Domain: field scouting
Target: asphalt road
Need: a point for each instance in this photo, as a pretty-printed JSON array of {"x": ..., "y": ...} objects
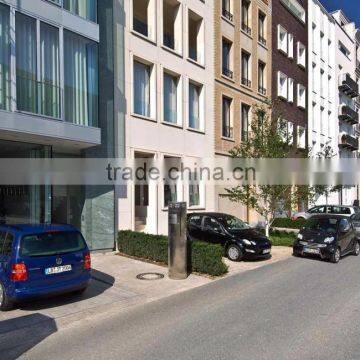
[{"x": 294, "y": 309}]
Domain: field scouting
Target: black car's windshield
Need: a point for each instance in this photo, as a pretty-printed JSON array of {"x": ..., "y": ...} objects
[
  {"x": 233, "y": 223},
  {"x": 327, "y": 225},
  {"x": 51, "y": 243}
]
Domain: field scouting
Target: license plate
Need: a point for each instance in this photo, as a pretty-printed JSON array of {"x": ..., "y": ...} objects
[
  {"x": 311, "y": 251},
  {"x": 58, "y": 269},
  {"x": 266, "y": 251}
]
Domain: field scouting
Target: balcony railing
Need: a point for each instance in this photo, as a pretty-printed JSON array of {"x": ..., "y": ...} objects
[
  {"x": 246, "y": 82},
  {"x": 262, "y": 90},
  {"x": 246, "y": 28},
  {"x": 262, "y": 40},
  {"x": 349, "y": 142},
  {"x": 348, "y": 85},
  {"x": 346, "y": 113},
  {"x": 228, "y": 131},
  {"x": 228, "y": 15},
  {"x": 228, "y": 73}
]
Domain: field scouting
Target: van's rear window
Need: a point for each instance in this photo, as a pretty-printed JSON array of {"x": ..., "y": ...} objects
[{"x": 51, "y": 243}]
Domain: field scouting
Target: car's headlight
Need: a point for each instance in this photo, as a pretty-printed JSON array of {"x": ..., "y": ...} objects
[
  {"x": 247, "y": 242},
  {"x": 329, "y": 240},
  {"x": 300, "y": 236}
]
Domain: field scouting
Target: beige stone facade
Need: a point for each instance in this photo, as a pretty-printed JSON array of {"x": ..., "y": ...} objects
[{"x": 245, "y": 37}]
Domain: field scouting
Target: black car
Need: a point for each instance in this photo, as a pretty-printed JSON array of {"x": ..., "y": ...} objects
[
  {"x": 238, "y": 238},
  {"x": 327, "y": 236}
]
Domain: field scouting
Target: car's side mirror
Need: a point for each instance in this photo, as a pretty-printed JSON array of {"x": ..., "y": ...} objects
[{"x": 345, "y": 228}]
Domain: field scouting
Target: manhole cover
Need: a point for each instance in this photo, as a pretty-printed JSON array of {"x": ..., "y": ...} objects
[{"x": 150, "y": 276}]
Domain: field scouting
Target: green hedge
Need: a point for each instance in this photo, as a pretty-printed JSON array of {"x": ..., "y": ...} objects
[
  {"x": 288, "y": 223},
  {"x": 282, "y": 239},
  {"x": 203, "y": 257}
]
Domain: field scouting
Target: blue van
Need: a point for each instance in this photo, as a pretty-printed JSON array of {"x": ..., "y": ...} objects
[{"x": 41, "y": 260}]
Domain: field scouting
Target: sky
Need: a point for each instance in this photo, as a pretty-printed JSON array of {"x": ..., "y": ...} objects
[{"x": 350, "y": 7}]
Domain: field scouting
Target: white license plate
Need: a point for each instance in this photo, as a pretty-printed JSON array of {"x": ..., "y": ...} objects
[
  {"x": 58, "y": 270},
  {"x": 266, "y": 251},
  {"x": 311, "y": 251}
]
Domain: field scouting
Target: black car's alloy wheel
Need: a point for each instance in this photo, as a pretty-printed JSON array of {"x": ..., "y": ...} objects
[
  {"x": 357, "y": 248},
  {"x": 335, "y": 256},
  {"x": 5, "y": 303},
  {"x": 234, "y": 253}
]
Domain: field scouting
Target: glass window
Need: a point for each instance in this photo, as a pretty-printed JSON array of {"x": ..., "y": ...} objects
[
  {"x": 227, "y": 130},
  {"x": 245, "y": 69},
  {"x": 48, "y": 244},
  {"x": 226, "y": 63},
  {"x": 170, "y": 194},
  {"x": 50, "y": 71},
  {"x": 328, "y": 225},
  {"x": 194, "y": 106},
  {"x": 262, "y": 30},
  {"x": 194, "y": 195},
  {"x": 195, "y": 220},
  {"x": 26, "y": 63},
  {"x": 84, "y": 8},
  {"x": 245, "y": 110},
  {"x": 140, "y": 16},
  {"x": 211, "y": 224},
  {"x": 245, "y": 16},
  {"x": 8, "y": 244},
  {"x": 81, "y": 80},
  {"x": 141, "y": 89},
  {"x": 170, "y": 98},
  {"x": 261, "y": 78},
  {"x": 4, "y": 57}
]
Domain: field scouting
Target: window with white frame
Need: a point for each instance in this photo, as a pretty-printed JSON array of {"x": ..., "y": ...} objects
[
  {"x": 290, "y": 95},
  {"x": 290, "y": 46},
  {"x": 282, "y": 90},
  {"x": 195, "y": 190},
  {"x": 143, "y": 19},
  {"x": 5, "y": 57},
  {"x": 301, "y": 96},
  {"x": 227, "y": 126},
  {"x": 172, "y": 98},
  {"x": 196, "y": 106},
  {"x": 143, "y": 90},
  {"x": 285, "y": 129},
  {"x": 172, "y": 25},
  {"x": 282, "y": 39},
  {"x": 301, "y": 137},
  {"x": 301, "y": 54},
  {"x": 196, "y": 37}
]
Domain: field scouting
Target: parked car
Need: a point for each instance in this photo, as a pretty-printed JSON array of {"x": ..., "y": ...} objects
[
  {"x": 41, "y": 260},
  {"x": 328, "y": 236},
  {"x": 327, "y": 209},
  {"x": 239, "y": 240}
]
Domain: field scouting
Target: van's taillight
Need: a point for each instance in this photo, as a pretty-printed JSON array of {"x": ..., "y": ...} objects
[
  {"x": 87, "y": 261},
  {"x": 19, "y": 272}
]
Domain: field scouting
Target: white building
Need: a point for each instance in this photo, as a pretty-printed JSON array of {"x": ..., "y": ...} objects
[
  {"x": 332, "y": 89},
  {"x": 169, "y": 94}
]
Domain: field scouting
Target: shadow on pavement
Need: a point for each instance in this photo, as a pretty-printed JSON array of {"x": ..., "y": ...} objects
[
  {"x": 99, "y": 283},
  {"x": 32, "y": 329}
]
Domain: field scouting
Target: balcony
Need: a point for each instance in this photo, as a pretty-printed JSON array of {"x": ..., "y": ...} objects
[
  {"x": 262, "y": 90},
  {"x": 346, "y": 113},
  {"x": 348, "y": 142},
  {"x": 348, "y": 86},
  {"x": 262, "y": 40},
  {"x": 228, "y": 73},
  {"x": 246, "y": 29},
  {"x": 246, "y": 82},
  {"x": 228, "y": 15}
]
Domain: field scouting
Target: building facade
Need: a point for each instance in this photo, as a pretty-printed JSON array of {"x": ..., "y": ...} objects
[
  {"x": 169, "y": 96},
  {"x": 243, "y": 63},
  {"x": 54, "y": 57}
]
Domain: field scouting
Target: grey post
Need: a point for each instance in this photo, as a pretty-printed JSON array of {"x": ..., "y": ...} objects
[{"x": 177, "y": 241}]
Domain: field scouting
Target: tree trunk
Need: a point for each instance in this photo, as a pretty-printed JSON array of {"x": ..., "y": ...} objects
[{"x": 267, "y": 228}]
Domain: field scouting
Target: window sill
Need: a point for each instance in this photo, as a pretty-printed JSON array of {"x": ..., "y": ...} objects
[
  {"x": 197, "y": 207},
  {"x": 228, "y": 21},
  {"x": 228, "y": 78},
  {"x": 172, "y": 51},
  {"x": 262, "y": 95},
  {"x": 141, "y": 36},
  {"x": 262, "y": 45},
  {"x": 142, "y": 117},
  {"x": 246, "y": 34},
  {"x": 198, "y": 131},
  {"x": 246, "y": 87},
  {"x": 227, "y": 139},
  {"x": 172, "y": 124},
  {"x": 196, "y": 63}
]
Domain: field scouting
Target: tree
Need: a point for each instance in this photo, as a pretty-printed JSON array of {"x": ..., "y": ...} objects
[{"x": 268, "y": 138}]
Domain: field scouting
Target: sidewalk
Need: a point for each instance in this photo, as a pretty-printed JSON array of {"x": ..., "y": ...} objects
[{"x": 114, "y": 287}]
